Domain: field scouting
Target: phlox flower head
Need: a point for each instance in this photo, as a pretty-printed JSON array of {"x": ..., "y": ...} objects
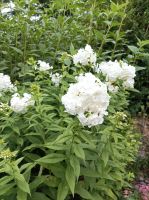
[
  {"x": 85, "y": 56},
  {"x": 112, "y": 70},
  {"x": 5, "y": 83},
  {"x": 35, "y": 18},
  {"x": 128, "y": 74},
  {"x": 88, "y": 99},
  {"x": 56, "y": 78},
  {"x": 20, "y": 104},
  {"x": 43, "y": 66},
  {"x": 117, "y": 70},
  {"x": 10, "y": 8}
]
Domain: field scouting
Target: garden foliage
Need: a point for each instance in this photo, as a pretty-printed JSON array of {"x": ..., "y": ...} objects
[
  {"x": 55, "y": 143},
  {"x": 137, "y": 22}
]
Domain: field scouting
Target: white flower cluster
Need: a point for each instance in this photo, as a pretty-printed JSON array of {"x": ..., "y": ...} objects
[
  {"x": 85, "y": 56},
  {"x": 10, "y": 8},
  {"x": 43, "y": 66},
  {"x": 20, "y": 104},
  {"x": 56, "y": 78},
  {"x": 117, "y": 70},
  {"x": 128, "y": 74},
  {"x": 88, "y": 99},
  {"x": 5, "y": 83},
  {"x": 35, "y": 18}
]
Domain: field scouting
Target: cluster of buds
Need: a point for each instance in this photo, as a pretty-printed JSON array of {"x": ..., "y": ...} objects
[
  {"x": 4, "y": 108},
  {"x": 7, "y": 154},
  {"x": 119, "y": 119}
]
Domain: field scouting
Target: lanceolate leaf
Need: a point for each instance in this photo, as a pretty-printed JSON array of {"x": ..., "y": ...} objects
[
  {"x": 39, "y": 196},
  {"x": 52, "y": 158},
  {"x": 79, "y": 151},
  {"x": 74, "y": 161},
  {"x": 83, "y": 193},
  {"x": 5, "y": 180},
  {"x": 62, "y": 191},
  {"x": 21, "y": 195},
  {"x": 70, "y": 178},
  {"x": 5, "y": 188},
  {"x": 21, "y": 183}
]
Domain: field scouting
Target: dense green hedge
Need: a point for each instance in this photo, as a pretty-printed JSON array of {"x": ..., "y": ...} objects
[{"x": 137, "y": 22}]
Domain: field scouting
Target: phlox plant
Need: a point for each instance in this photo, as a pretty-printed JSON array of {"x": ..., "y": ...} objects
[
  {"x": 47, "y": 151},
  {"x": 43, "y": 28}
]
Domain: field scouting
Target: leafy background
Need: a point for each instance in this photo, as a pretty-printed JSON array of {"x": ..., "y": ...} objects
[{"x": 111, "y": 28}]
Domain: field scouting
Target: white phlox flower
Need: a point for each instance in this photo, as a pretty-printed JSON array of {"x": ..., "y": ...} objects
[
  {"x": 43, "y": 66},
  {"x": 88, "y": 99},
  {"x": 128, "y": 74},
  {"x": 5, "y": 83},
  {"x": 35, "y": 18},
  {"x": 112, "y": 70},
  {"x": 20, "y": 104},
  {"x": 129, "y": 83},
  {"x": 117, "y": 70},
  {"x": 56, "y": 78},
  {"x": 10, "y": 8},
  {"x": 85, "y": 56}
]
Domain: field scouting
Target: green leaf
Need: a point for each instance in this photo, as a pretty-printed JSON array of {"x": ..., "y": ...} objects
[
  {"x": 74, "y": 162},
  {"x": 97, "y": 197},
  {"x": 139, "y": 68},
  {"x": 70, "y": 177},
  {"x": 37, "y": 181},
  {"x": 79, "y": 151},
  {"x": 99, "y": 186},
  {"x": 52, "y": 181},
  {"x": 84, "y": 193},
  {"x": 134, "y": 49},
  {"x": 61, "y": 139},
  {"x": 57, "y": 169},
  {"x": 17, "y": 50},
  {"x": 21, "y": 183},
  {"x": 105, "y": 156},
  {"x": 67, "y": 62},
  {"x": 87, "y": 139},
  {"x": 5, "y": 188},
  {"x": 5, "y": 180},
  {"x": 144, "y": 43},
  {"x": 89, "y": 172},
  {"x": 56, "y": 146},
  {"x": 62, "y": 191},
  {"x": 72, "y": 49},
  {"x": 21, "y": 195},
  {"x": 39, "y": 196},
  {"x": 133, "y": 90},
  {"x": 111, "y": 194},
  {"x": 52, "y": 158}
]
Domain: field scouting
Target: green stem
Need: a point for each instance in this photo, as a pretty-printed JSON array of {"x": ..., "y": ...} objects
[
  {"x": 118, "y": 31},
  {"x": 91, "y": 21},
  {"x": 24, "y": 52},
  {"x": 73, "y": 137},
  {"x": 40, "y": 171},
  {"x": 105, "y": 37}
]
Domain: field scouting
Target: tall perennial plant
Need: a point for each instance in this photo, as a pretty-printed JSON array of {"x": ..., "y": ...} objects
[{"x": 65, "y": 133}]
